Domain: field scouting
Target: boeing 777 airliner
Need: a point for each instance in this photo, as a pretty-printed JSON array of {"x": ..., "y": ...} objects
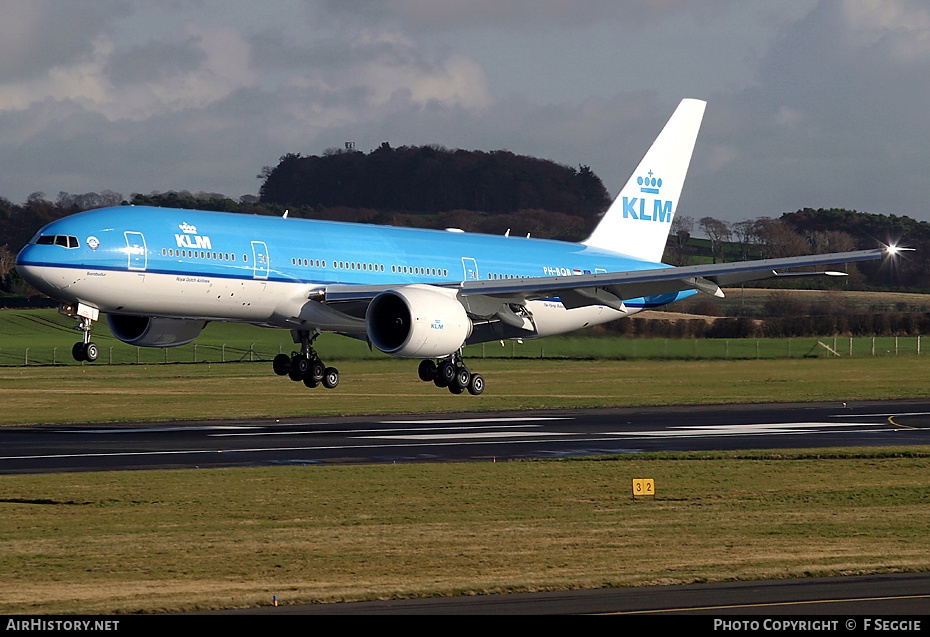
[{"x": 160, "y": 275}]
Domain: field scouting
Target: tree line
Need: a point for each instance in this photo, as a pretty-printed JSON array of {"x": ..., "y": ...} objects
[
  {"x": 433, "y": 179},
  {"x": 810, "y": 231}
]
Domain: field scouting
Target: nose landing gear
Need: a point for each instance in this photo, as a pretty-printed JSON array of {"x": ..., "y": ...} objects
[{"x": 85, "y": 350}]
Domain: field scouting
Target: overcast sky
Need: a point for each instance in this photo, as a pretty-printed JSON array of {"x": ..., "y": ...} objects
[{"x": 811, "y": 103}]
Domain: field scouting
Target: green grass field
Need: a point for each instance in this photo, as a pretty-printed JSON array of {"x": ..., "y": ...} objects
[{"x": 112, "y": 393}]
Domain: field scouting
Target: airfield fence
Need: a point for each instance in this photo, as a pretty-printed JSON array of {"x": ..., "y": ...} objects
[
  {"x": 129, "y": 355},
  {"x": 569, "y": 348}
]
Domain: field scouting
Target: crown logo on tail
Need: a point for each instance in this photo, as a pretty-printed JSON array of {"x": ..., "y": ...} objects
[{"x": 649, "y": 184}]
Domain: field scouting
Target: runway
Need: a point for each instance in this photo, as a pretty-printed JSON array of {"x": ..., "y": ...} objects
[{"x": 461, "y": 437}]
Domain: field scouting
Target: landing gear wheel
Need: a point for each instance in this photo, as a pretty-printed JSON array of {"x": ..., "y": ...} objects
[
  {"x": 91, "y": 352},
  {"x": 317, "y": 372},
  {"x": 476, "y": 386},
  {"x": 331, "y": 378},
  {"x": 445, "y": 373},
  {"x": 455, "y": 388},
  {"x": 303, "y": 367},
  {"x": 462, "y": 377},
  {"x": 427, "y": 370},
  {"x": 281, "y": 364},
  {"x": 309, "y": 382},
  {"x": 77, "y": 352}
]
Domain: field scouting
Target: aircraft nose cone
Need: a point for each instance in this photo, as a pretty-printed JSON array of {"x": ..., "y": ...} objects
[
  {"x": 30, "y": 268},
  {"x": 25, "y": 268},
  {"x": 23, "y": 259}
]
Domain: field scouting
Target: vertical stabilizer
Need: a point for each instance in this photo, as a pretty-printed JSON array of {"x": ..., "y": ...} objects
[{"x": 638, "y": 222}]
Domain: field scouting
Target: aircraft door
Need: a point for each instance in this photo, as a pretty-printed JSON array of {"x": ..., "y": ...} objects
[
  {"x": 260, "y": 261},
  {"x": 135, "y": 249},
  {"x": 470, "y": 266}
]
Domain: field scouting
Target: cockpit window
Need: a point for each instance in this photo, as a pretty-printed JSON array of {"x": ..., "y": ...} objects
[{"x": 58, "y": 240}]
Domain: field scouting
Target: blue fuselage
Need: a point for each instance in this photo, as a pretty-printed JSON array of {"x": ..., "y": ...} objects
[{"x": 190, "y": 245}]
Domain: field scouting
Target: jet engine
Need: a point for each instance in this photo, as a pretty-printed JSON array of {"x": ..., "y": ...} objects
[
  {"x": 417, "y": 321},
  {"x": 147, "y": 331}
]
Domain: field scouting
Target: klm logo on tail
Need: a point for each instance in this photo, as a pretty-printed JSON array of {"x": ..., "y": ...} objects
[{"x": 635, "y": 207}]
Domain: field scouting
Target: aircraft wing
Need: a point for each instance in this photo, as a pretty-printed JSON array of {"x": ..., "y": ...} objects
[{"x": 612, "y": 288}]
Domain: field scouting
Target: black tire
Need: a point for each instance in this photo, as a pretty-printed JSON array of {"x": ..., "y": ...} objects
[
  {"x": 91, "y": 352},
  {"x": 462, "y": 377},
  {"x": 294, "y": 372},
  {"x": 309, "y": 382},
  {"x": 455, "y": 388},
  {"x": 303, "y": 367},
  {"x": 317, "y": 371},
  {"x": 77, "y": 352},
  {"x": 476, "y": 386},
  {"x": 331, "y": 378},
  {"x": 446, "y": 373},
  {"x": 427, "y": 370},
  {"x": 281, "y": 364}
]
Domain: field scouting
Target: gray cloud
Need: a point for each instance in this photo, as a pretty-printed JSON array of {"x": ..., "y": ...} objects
[
  {"x": 547, "y": 14},
  {"x": 40, "y": 34},
  {"x": 155, "y": 61},
  {"x": 836, "y": 117}
]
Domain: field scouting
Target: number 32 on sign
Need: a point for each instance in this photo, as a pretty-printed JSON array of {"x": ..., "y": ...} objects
[{"x": 644, "y": 487}]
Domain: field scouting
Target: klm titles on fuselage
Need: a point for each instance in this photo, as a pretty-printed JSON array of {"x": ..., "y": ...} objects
[
  {"x": 191, "y": 240},
  {"x": 635, "y": 207}
]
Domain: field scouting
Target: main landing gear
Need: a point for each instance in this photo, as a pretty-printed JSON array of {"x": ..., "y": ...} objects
[
  {"x": 85, "y": 350},
  {"x": 305, "y": 365},
  {"x": 451, "y": 372}
]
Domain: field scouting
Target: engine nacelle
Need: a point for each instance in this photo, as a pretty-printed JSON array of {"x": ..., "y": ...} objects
[
  {"x": 147, "y": 331},
  {"x": 417, "y": 321}
]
